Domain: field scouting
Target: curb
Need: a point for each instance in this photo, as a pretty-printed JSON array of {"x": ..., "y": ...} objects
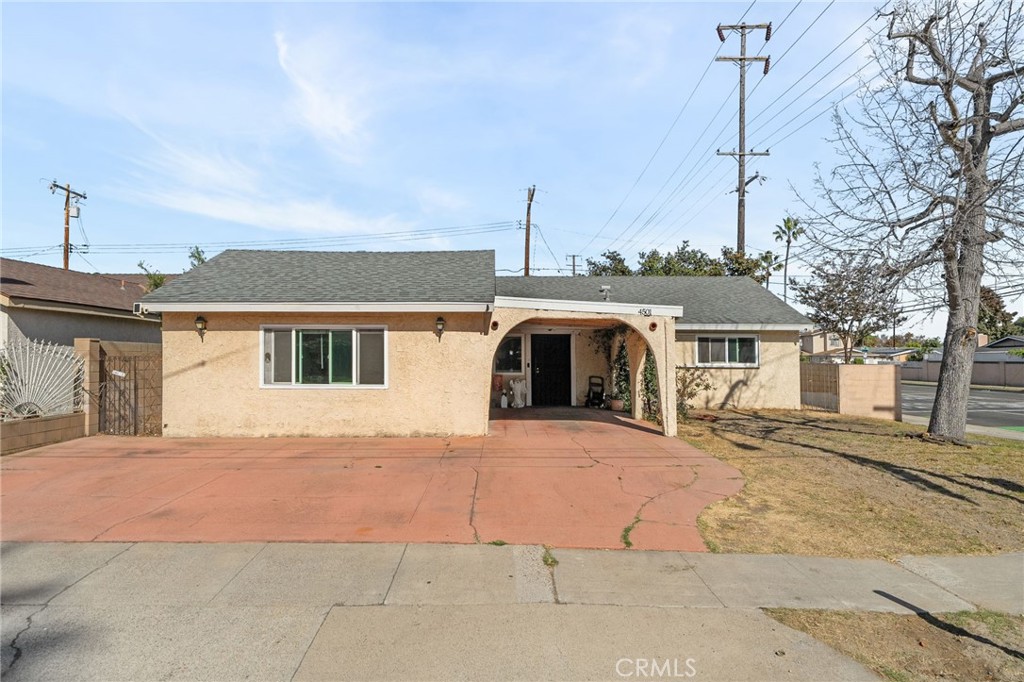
[
  {"x": 993, "y": 431},
  {"x": 977, "y": 387}
]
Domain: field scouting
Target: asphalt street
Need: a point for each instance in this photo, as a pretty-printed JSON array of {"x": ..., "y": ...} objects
[{"x": 1001, "y": 409}]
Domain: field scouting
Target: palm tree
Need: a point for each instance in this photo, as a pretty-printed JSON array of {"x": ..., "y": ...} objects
[
  {"x": 789, "y": 231},
  {"x": 771, "y": 263}
]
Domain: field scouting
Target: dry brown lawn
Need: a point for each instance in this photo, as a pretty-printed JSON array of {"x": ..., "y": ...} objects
[
  {"x": 821, "y": 484},
  {"x": 974, "y": 645}
]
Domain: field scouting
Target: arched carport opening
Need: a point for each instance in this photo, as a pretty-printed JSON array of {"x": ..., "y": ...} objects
[{"x": 550, "y": 358}]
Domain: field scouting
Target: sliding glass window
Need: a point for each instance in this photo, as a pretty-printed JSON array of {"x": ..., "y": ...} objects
[{"x": 303, "y": 356}]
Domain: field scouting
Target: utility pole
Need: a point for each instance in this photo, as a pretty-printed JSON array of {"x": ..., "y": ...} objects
[
  {"x": 68, "y": 193},
  {"x": 741, "y": 152},
  {"x": 529, "y": 204},
  {"x": 573, "y": 256}
]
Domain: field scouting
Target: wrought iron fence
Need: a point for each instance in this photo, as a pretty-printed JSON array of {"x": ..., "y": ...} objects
[
  {"x": 39, "y": 379},
  {"x": 130, "y": 394}
]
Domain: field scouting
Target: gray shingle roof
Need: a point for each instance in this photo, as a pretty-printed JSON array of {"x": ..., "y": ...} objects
[
  {"x": 335, "y": 277},
  {"x": 705, "y": 300},
  {"x": 453, "y": 277}
]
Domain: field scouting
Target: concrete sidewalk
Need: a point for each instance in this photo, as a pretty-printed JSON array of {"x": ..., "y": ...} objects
[
  {"x": 993, "y": 431},
  {"x": 393, "y": 611}
]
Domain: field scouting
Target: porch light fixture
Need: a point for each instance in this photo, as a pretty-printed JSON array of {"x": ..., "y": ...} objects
[
  {"x": 439, "y": 323},
  {"x": 201, "y": 326}
]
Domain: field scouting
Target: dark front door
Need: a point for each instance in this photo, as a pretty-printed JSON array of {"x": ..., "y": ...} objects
[{"x": 550, "y": 369}]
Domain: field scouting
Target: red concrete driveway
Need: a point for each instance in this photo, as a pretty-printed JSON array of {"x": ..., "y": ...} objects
[{"x": 563, "y": 477}]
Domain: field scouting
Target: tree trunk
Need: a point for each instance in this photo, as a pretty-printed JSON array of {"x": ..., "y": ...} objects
[
  {"x": 785, "y": 275},
  {"x": 964, "y": 267}
]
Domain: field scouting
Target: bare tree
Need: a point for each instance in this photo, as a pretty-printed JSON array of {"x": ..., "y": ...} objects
[
  {"x": 929, "y": 178},
  {"x": 846, "y": 297}
]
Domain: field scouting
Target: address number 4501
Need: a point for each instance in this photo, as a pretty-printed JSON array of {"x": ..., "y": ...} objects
[{"x": 646, "y": 312}]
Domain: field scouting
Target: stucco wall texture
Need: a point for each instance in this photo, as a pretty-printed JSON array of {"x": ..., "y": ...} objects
[
  {"x": 775, "y": 383},
  {"x": 436, "y": 386}
]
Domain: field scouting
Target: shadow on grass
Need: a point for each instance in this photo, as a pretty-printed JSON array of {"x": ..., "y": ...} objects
[
  {"x": 949, "y": 627},
  {"x": 767, "y": 428}
]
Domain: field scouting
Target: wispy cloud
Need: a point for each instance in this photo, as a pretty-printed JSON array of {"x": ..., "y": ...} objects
[
  {"x": 292, "y": 215},
  {"x": 432, "y": 199},
  {"x": 216, "y": 184},
  {"x": 327, "y": 98}
]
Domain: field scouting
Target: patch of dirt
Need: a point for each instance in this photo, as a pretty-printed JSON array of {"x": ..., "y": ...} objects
[
  {"x": 821, "y": 484},
  {"x": 981, "y": 645}
]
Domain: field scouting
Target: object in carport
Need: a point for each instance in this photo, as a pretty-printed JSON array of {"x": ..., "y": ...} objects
[
  {"x": 595, "y": 392},
  {"x": 518, "y": 387}
]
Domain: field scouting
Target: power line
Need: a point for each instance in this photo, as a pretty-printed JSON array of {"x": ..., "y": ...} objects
[
  {"x": 658, "y": 216},
  {"x": 661, "y": 144},
  {"x": 666, "y": 136},
  {"x": 694, "y": 167},
  {"x": 543, "y": 239},
  {"x": 289, "y": 244}
]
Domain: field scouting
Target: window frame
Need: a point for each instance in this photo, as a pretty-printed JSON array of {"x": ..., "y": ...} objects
[
  {"x": 726, "y": 337},
  {"x": 293, "y": 328},
  {"x": 522, "y": 357}
]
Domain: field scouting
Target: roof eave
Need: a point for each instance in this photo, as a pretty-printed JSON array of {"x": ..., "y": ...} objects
[
  {"x": 313, "y": 307},
  {"x": 74, "y": 308},
  {"x": 741, "y": 326},
  {"x": 611, "y": 307}
]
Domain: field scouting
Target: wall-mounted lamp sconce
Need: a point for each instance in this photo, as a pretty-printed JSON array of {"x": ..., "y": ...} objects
[
  {"x": 201, "y": 326},
  {"x": 439, "y": 323}
]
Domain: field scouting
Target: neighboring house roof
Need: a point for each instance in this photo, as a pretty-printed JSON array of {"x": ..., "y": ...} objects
[
  {"x": 325, "y": 277},
  {"x": 1005, "y": 343},
  {"x": 883, "y": 352},
  {"x": 707, "y": 302},
  {"x": 32, "y": 284}
]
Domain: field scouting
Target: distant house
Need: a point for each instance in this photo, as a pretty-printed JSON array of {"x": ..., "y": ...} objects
[
  {"x": 1006, "y": 343},
  {"x": 994, "y": 364},
  {"x": 273, "y": 343},
  {"x": 816, "y": 341},
  {"x": 872, "y": 355},
  {"x": 44, "y": 303}
]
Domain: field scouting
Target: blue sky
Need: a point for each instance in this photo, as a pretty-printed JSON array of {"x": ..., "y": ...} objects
[{"x": 209, "y": 124}]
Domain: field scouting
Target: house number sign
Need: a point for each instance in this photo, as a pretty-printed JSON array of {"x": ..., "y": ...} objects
[{"x": 646, "y": 312}]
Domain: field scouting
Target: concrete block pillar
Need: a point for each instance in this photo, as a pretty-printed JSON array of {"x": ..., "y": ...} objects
[
  {"x": 90, "y": 350},
  {"x": 636, "y": 351},
  {"x": 665, "y": 356}
]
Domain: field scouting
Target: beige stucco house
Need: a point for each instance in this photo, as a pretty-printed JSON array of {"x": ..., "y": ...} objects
[{"x": 265, "y": 343}]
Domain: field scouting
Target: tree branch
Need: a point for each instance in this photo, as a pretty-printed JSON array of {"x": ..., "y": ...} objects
[{"x": 1006, "y": 127}]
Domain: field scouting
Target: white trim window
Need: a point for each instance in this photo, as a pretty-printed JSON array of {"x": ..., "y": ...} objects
[
  {"x": 508, "y": 359},
  {"x": 323, "y": 357},
  {"x": 728, "y": 351}
]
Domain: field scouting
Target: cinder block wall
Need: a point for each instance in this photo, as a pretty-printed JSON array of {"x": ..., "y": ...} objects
[
  {"x": 32, "y": 433},
  {"x": 870, "y": 391}
]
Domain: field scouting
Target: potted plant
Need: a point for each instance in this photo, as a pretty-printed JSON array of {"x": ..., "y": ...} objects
[{"x": 616, "y": 403}]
